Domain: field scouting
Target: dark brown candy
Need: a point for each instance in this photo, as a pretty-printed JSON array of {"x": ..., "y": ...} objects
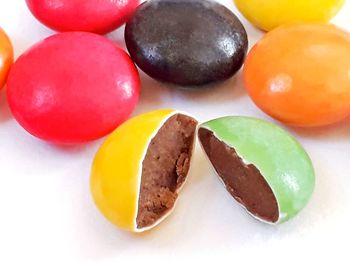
[{"x": 192, "y": 42}]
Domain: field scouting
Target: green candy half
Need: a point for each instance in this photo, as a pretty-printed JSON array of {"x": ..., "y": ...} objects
[{"x": 279, "y": 158}]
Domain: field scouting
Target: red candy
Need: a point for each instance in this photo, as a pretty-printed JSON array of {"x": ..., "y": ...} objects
[
  {"x": 72, "y": 87},
  {"x": 98, "y": 16}
]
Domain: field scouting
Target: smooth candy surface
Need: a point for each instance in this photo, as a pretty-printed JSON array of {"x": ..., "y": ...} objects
[
  {"x": 269, "y": 14},
  {"x": 72, "y": 88},
  {"x": 186, "y": 42},
  {"x": 300, "y": 74},
  {"x": 116, "y": 170},
  {"x": 281, "y": 160},
  {"x": 6, "y": 57},
  {"x": 97, "y": 16}
]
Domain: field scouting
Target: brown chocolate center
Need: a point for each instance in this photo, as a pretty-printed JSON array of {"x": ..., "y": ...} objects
[
  {"x": 165, "y": 168},
  {"x": 244, "y": 182}
]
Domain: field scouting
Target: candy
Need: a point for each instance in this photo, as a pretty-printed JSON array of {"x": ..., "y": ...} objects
[
  {"x": 98, "y": 16},
  {"x": 186, "y": 42},
  {"x": 269, "y": 14},
  {"x": 263, "y": 167},
  {"x": 300, "y": 74},
  {"x": 6, "y": 57},
  {"x": 140, "y": 168},
  {"x": 72, "y": 88}
]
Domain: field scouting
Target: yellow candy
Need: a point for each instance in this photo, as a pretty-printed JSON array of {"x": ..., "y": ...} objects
[
  {"x": 117, "y": 168},
  {"x": 269, "y": 14}
]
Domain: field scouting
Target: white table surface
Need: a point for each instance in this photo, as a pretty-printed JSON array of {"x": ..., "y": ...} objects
[{"x": 47, "y": 214}]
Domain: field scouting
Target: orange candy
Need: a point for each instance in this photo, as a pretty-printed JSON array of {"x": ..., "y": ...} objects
[
  {"x": 6, "y": 57},
  {"x": 300, "y": 74}
]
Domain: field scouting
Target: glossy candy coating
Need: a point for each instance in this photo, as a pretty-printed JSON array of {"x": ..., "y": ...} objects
[
  {"x": 97, "y": 16},
  {"x": 299, "y": 74},
  {"x": 72, "y": 88},
  {"x": 6, "y": 57},
  {"x": 280, "y": 159},
  {"x": 269, "y": 14},
  {"x": 196, "y": 42},
  {"x": 117, "y": 167}
]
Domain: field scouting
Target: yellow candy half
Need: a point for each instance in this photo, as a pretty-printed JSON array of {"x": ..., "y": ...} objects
[{"x": 117, "y": 168}]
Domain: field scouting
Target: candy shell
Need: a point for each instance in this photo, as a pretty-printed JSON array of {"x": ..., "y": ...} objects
[
  {"x": 138, "y": 171},
  {"x": 269, "y": 14},
  {"x": 189, "y": 43},
  {"x": 97, "y": 16},
  {"x": 72, "y": 87},
  {"x": 300, "y": 74},
  {"x": 262, "y": 166},
  {"x": 6, "y": 57}
]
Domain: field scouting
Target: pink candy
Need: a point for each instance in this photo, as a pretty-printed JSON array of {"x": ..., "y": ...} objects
[
  {"x": 73, "y": 87},
  {"x": 98, "y": 16}
]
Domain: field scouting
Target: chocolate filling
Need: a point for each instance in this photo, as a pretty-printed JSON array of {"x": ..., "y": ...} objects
[
  {"x": 165, "y": 168},
  {"x": 244, "y": 182}
]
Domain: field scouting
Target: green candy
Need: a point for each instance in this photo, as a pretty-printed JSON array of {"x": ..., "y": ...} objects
[{"x": 280, "y": 159}]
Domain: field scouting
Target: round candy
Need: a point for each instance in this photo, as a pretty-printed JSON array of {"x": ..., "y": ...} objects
[
  {"x": 72, "y": 88},
  {"x": 262, "y": 166},
  {"x": 269, "y": 14},
  {"x": 139, "y": 170},
  {"x": 98, "y": 16},
  {"x": 6, "y": 57},
  {"x": 186, "y": 42},
  {"x": 300, "y": 74}
]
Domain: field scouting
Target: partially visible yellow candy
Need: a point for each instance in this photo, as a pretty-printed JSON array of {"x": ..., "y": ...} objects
[{"x": 269, "y": 14}]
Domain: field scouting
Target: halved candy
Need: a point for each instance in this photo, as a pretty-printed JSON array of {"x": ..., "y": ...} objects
[
  {"x": 262, "y": 166},
  {"x": 140, "y": 168}
]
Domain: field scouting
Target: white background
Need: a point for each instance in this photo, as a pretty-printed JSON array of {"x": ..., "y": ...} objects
[{"x": 47, "y": 215}]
